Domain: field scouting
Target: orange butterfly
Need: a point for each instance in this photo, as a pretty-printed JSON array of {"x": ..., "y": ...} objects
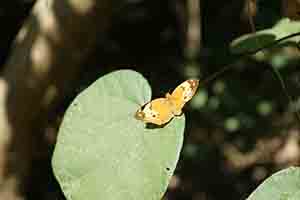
[{"x": 161, "y": 110}]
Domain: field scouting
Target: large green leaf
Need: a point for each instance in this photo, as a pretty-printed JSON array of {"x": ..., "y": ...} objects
[
  {"x": 283, "y": 185},
  {"x": 103, "y": 152}
]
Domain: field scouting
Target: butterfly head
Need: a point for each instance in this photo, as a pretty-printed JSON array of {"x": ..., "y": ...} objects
[{"x": 140, "y": 115}]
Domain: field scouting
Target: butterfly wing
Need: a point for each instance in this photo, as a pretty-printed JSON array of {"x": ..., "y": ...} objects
[
  {"x": 162, "y": 110},
  {"x": 182, "y": 94},
  {"x": 156, "y": 112}
]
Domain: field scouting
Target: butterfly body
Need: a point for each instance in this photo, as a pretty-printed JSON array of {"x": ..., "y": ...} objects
[{"x": 161, "y": 110}]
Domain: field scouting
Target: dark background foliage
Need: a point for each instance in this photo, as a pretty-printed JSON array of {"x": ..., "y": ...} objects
[{"x": 240, "y": 128}]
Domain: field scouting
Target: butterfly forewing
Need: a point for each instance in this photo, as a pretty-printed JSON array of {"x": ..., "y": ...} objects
[{"x": 182, "y": 94}]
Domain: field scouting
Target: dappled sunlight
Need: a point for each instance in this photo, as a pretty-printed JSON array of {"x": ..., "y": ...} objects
[
  {"x": 236, "y": 160},
  {"x": 51, "y": 93},
  {"x": 22, "y": 35},
  {"x": 41, "y": 57},
  {"x": 48, "y": 21},
  {"x": 289, "y": 154},
  {"x": 81, "y": 7}
]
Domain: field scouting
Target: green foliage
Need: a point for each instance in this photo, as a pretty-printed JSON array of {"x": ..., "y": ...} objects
[
  {"x": 267, "y": 38},
  {"x": 269, "y": 46},
  {"x": 103, "y": 152},
  {"x": 283, "y": 185}
]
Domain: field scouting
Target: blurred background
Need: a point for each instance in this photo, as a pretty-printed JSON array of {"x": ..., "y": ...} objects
[{"x": 241, "y": 127}]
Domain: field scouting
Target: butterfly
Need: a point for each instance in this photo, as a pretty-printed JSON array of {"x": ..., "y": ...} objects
[{"x": 161, "y": 110}]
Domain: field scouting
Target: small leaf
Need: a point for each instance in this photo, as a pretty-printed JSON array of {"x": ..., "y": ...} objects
[
  {"x": 259, "y": 39},
  {"x": 283, "y": 185},
  {"x": 251, "y": 42},
  {"x": 103, "y": 152}
]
